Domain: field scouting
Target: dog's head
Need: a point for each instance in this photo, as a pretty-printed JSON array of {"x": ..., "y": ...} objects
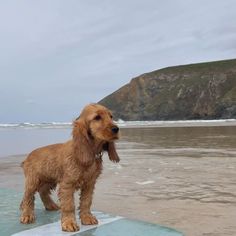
[
  {"x": 95, "y": 124},
  {"x": 97, "y": 121}
]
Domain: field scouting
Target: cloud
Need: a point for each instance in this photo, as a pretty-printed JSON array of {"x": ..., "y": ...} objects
[{"x": 63, "y": 55}]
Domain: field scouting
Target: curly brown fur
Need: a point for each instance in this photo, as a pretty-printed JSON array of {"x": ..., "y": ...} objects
[{"x": 73, "y": 165}]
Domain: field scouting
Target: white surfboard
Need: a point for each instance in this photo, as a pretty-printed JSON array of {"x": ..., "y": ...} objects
[{"x": 54, "y": 229}]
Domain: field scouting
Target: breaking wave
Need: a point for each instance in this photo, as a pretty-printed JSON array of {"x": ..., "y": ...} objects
[{"x": 122, "y": 123}]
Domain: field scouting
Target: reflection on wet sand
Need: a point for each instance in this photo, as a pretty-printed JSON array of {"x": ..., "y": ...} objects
[{"x": 181, "y": 177}]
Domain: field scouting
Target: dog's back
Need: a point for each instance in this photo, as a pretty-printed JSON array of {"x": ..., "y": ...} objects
[{"x": 46, "y": 163}]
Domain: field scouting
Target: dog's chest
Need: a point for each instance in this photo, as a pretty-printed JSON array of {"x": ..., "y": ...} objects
[{"x": 90, "y": 174}]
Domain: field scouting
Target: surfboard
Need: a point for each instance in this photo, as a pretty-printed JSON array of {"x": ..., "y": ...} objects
[{"x": 48, "y": 223}]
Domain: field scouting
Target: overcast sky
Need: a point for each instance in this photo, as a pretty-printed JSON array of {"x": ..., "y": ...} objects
[{"x": 56, "y": 56}]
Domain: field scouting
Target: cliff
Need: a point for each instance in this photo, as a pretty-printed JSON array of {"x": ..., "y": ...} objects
[{"x": 196, "y": 91}]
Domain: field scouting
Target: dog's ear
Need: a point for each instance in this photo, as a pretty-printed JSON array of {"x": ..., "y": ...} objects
[
  {"x": 81, "y": 142},
  {"x": 111, "y": 149}
]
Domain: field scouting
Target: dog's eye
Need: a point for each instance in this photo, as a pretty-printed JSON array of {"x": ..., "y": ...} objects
[
  {"x": 111, "y": 116},
  {"x": 98, "y": 117}
]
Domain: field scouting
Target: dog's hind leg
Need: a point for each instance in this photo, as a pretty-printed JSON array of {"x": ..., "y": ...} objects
[
  {"x": 27, "y": 204},
  {"x": 44, "y": 192}
]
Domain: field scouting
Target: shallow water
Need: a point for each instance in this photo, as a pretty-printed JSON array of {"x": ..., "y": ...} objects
[
  {"x": 14, "y": 141},
  {"x": 22, "y": 140},
  {"x": 182, "y": 163},
  {"x": 181, "y": 177}
]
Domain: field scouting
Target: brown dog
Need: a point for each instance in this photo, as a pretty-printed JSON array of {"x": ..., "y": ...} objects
[{"x": 73, "y": 165}]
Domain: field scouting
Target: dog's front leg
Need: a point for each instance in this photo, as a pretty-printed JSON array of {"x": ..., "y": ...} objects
[
  {"x": 66, "y": 196},
  {"x": 85, "y": 203}
]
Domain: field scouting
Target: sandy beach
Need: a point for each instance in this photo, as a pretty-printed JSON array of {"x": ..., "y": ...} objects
[{"x": 181, "y": 177}]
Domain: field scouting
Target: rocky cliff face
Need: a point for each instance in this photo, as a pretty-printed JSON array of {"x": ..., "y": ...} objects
[{"x": 197, "y": 91}]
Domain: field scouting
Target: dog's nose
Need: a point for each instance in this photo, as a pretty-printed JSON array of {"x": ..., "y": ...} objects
[{"x": 115, "y": 129}]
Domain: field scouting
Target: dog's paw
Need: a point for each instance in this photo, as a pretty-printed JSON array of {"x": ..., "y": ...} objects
[
  {"x": 69, "y": 225},
  {"x": 88, "y": 219},
  {"x": 27, "y": 219}
]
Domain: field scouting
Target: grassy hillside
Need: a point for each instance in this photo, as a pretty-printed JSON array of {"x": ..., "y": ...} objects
[{"x": 196, "y": 91}]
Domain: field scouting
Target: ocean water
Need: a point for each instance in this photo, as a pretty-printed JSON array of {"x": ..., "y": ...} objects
[
  {"x": 180, "y": 175},
  {"x": 23, "y": 137},
  {"x": 21, "y": 140}
]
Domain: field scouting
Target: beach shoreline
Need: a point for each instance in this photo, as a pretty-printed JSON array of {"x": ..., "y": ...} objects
[{"x": 182, "y": 178}]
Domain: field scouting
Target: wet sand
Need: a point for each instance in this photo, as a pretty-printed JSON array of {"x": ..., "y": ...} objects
[{"x": 183, "y": 178}]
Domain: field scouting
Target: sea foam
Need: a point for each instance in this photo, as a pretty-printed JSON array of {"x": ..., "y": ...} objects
[{"x": 128, "y": 124}]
